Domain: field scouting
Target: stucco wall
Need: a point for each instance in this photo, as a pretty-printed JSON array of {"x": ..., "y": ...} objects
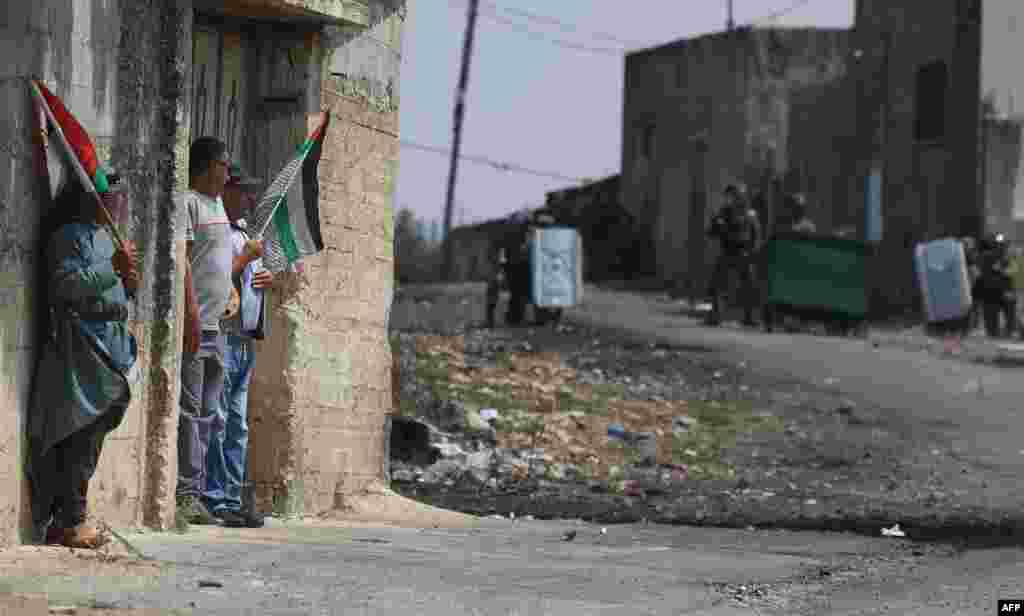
[
  {"x": 322, "y": 387},
  {"x": 114, "y": 72},
  {"x": 930, "y": 189},
  {"x": 719, "y": 105}
]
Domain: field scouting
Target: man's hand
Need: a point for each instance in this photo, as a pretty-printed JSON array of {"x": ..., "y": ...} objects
[
  {"x": 124, "y": 264},
  {"x": 262, "y": 280},
  {"x": 253, "y": 250}
]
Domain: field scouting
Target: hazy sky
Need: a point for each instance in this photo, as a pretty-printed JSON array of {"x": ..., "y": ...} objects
[{"x": 532, "y": 103}]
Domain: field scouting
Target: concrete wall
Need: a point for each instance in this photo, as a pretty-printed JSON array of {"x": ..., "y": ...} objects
[
  {"x": 118, "y": 67},
  {"x": 1002, "y": 92},
  {"x": 823, "y": 154},
  {"x": 616, "y": 246},
  {"x": 719, "y": 107},
  {"x": 322, "y": 388},
  {"x": 930, "y": 189}
]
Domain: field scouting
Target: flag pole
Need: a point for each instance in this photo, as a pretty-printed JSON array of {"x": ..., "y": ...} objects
[
  {"x": 270, "y": 217},
  {"x": 86, "y": 181}
]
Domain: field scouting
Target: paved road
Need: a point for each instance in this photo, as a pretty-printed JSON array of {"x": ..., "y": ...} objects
[
  {"x": 976, "y": 409},
  {"x": 524, "y": 568}
]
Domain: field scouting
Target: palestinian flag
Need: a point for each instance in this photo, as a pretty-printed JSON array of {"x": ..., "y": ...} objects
[
  {"x": 288, "y": 214},
  {"x": 77, "y": 145}
]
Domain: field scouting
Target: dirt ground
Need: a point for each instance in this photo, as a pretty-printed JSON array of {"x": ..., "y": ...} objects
[{"x": 764, "y": 452}]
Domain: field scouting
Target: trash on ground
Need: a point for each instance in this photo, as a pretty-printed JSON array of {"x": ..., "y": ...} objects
[
  {"x": 569, "y": 535},
  {"x": 895, "y": 531},
  {"x": 210, "y": 584}
]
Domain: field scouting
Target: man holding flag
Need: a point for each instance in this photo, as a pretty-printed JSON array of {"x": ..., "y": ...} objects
[
  {"x": 226, "y": 459},
  {"x": 208, "y": 291},
  {"x": 88, "y": 358}
]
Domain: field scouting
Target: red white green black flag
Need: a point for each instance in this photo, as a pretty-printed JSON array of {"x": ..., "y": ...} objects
[{"x": 288, "y": 214}]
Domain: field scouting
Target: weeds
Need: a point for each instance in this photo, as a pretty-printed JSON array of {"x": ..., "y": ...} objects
[{"x": 718, "y": 424}]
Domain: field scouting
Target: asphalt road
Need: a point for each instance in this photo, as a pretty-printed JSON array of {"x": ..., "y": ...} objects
[
  {"x": 973, "y": 409},
  {"x": 525, "y": 567}
]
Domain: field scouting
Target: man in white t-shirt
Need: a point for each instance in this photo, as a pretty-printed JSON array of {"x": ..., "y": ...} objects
[{"x": 208, "y": 292}]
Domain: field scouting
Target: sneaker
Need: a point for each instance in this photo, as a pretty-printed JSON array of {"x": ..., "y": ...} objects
[
  {"x": 229, "y": 518},
  {"x": 193, "y": 511}
]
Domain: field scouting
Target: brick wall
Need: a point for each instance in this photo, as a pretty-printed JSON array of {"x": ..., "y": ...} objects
[{"x": 115, "y": 72}]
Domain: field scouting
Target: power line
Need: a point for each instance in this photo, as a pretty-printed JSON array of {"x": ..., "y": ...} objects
[
  {"x": 780, "y": 13},
  {"x": 533, "y": 34},
  {"x": 564, "y": 25},
  {"x": 499, "y": 165}
]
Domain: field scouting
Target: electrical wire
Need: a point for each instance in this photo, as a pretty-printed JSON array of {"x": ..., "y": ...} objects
[
  {"x": 499, "y": 165},
  {"x": 533, "y": 34},
  {"x": 780, "y": 13},
  {"x": 564, "y": 25}
]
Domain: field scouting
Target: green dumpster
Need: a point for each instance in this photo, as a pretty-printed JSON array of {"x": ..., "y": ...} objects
[{"x": 820, "y": 277}]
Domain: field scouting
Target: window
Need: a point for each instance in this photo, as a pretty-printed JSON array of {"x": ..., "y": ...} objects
[{"x": 930, "y": 104}]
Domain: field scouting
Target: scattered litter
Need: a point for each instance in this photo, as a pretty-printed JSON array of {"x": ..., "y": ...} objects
[
  {"x": 717, "y": 375},
  {"x": 529, "y": 517},
  {"x": 210, "y": 584},
  {"x": 604, "y": 531},
  {"x": 810, "y": 501},
  {"x": 257, "y": 583},
  {"x": 512, "y": 515},
  {"x": 569, "y": 535},
  {"x": 631, "y": 487},
  {"x": 682, "y": 424},
  {"x": 488, "y": 414},
  {"x": 895, "y": 531},
  {"x": 63, "y": 609}
]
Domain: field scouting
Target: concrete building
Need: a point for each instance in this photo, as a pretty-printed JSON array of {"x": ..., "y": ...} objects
[
  {"x": 145, "y": 78},
  {"x": 702, "y": 112},
  {"x": 933, "y": 90},
  {"x": 616, "y": 246}
]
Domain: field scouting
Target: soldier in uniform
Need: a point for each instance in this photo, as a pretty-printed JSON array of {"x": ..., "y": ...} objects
[
  {"x": 994, "y": 288},
  {"x": 798, "y": 209},
  {"x": 495, "y": 282},
  {"x": 737, "y": 229},
  {"x": 517, "y": 268}
]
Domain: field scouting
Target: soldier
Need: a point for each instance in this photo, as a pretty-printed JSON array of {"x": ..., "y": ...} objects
[
  {"x": 495, "y": 282},
  {"x": 738, "y": 231},
  {"x": 994, "y": 287},
  {"x": 801, "y": 221},
  {"x": 517, "y": 268}
]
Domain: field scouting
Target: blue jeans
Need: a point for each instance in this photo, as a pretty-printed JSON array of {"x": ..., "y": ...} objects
[
  {"x": 225, "y": 460},
  {"x": 202, "y": 382}
]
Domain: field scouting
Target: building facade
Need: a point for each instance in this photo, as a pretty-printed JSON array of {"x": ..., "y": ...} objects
[
  {"x": 146, "y": 78},
  {"x": 703, "y": 112},
  {"x": 616, "y": 246},
  {"x": 938, "y": 128}
]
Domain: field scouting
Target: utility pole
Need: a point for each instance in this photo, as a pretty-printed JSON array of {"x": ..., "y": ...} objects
[
  {"x": 730, "y": 23},
  {"x": 460, "y": 106}
]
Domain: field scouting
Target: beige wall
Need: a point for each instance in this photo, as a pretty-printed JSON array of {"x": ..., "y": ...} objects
[{"x": 322, "y": 387}]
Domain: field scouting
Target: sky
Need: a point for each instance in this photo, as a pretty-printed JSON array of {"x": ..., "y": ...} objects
[{"x": 532, "y": 103}]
